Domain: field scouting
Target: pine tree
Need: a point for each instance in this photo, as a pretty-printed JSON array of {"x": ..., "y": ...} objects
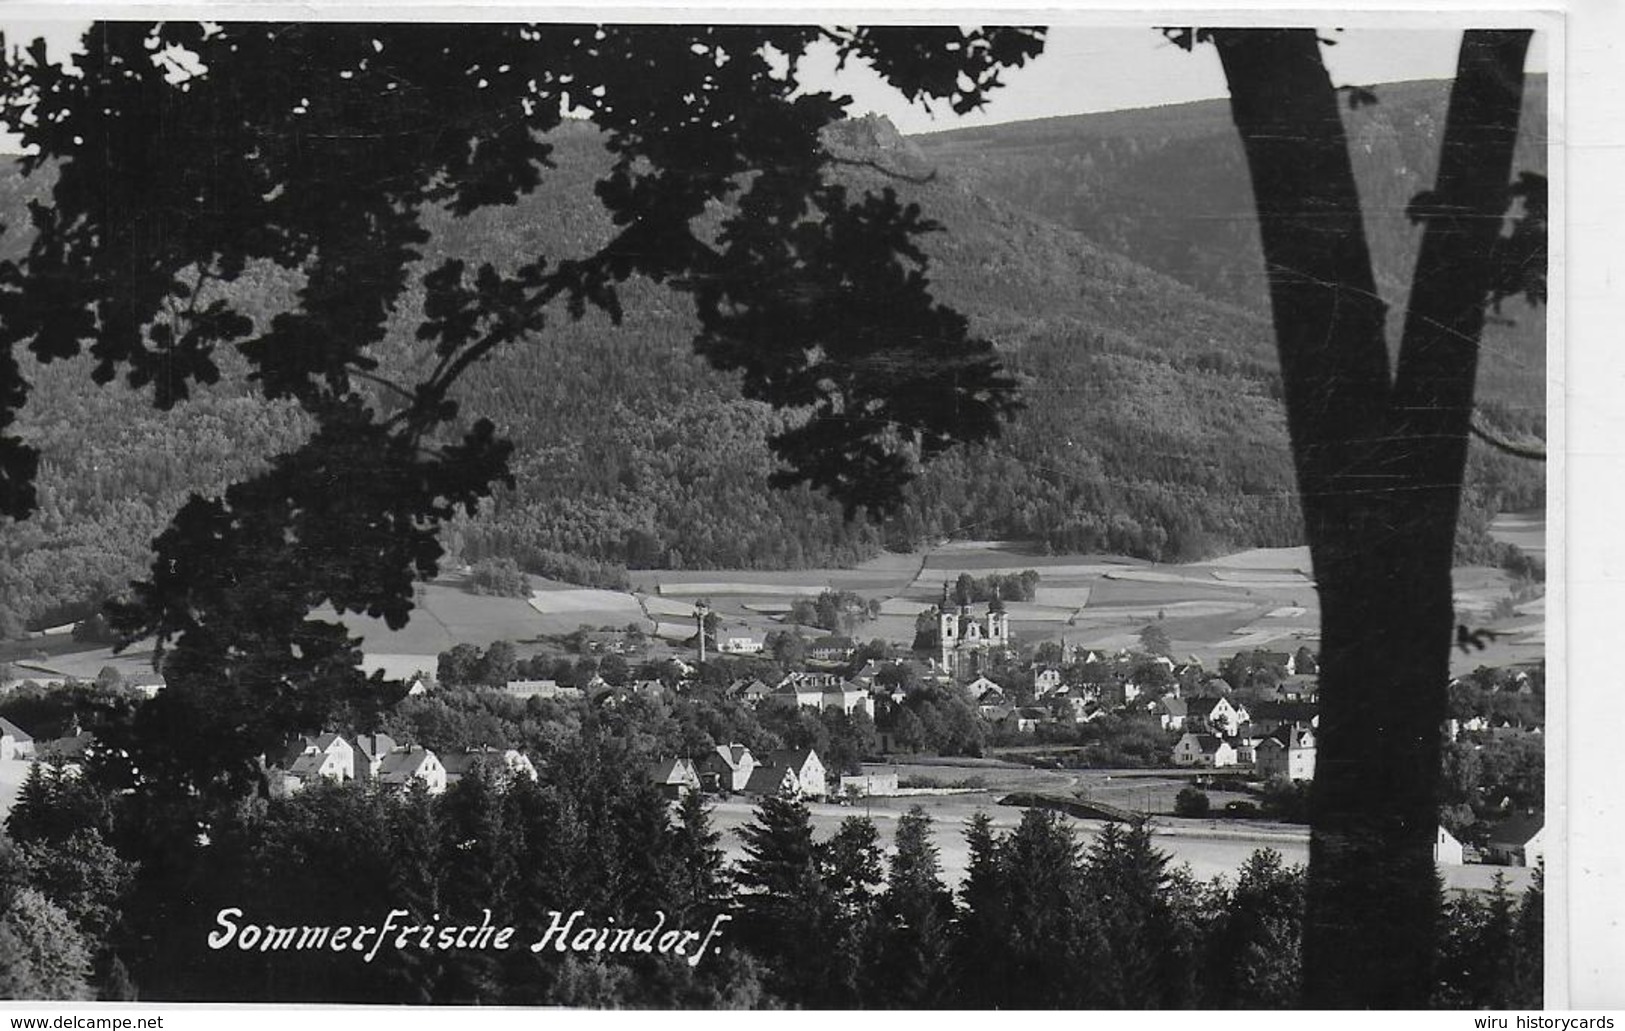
[
  {"x": 983, "y": 920},
  {"x": 1255, "y": 951},
  {"x": 33, "y": 814},
  {"x": 1053, "y": 928},
  {"x": 785, "y": 906},
  {"x": 918, "y": 909},
  {"x": 701, "y": 876},
  {"x": 851, "y": 867},
  {"x": 1127, "y": 878},
  {"x": 1529, "y": 963}
]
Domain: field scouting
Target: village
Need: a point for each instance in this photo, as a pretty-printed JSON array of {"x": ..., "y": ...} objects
[{"x": 1237, "y": 752}]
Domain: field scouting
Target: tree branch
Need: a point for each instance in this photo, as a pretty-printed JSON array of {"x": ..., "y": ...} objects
[
  {"x": 1505, "y": 446},
  {"x": 890, "y": 173}
]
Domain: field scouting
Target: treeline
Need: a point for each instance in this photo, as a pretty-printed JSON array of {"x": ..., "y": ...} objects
[
  {"x": 839, "y": 612},
  {"x": 1041, "y": 920},
  {"x": 1022, "y": 586}
]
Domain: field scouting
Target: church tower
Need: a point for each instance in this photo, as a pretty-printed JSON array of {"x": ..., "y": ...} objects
[{"x": 947, "y": 628}]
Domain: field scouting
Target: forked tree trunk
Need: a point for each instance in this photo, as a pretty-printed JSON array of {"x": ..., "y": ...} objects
[{"x": 1379, "y": 460}]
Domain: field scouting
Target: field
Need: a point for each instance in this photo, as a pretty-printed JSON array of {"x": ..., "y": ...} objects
[
  {"x": 1263, "y": 598},
  {"x": 1210, "y": 848}
]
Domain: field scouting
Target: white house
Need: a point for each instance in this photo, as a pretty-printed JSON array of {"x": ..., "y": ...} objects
[
  {"x": 15, "y": 742},
  {"x": 528, "y": 689},
  {"x": 675, "y": 777},
  {"x": 1217, "y": 714},
  {"x": 811, "y": 778},
  {"x": 1207, "y": 750},
  {"x": 1290, "y": 754},
  {"x": 1446, "y": 849},
  {"x": 1171, "y": 712},
  {"x": 403, "y": 766},
  {"x": 1045, "y": 680},
  {"x": 1518, "y": 841},
  {"x": 849, "y": 698},
  {"x": 729, "y": 765}
]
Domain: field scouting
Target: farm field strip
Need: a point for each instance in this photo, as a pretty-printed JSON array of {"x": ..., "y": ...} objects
[
  {"x": 655, "y": 605},
  {"x": 723, "y": 588},
  {"x": 937, "y": 573},
  {"x": 903, "y": 607},
  {"x": 553, "y": 603},
  {"x": 1294, "y": 560},
  {"x": 1261, "y": 579}
]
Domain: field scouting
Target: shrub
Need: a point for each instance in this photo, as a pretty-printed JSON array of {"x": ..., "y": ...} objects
[{"x": 1191, "y": 802}]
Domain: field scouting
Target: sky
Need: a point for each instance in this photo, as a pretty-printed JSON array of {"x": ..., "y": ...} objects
[
  {"x": 1090, "y": 67},
  {"x": 1110, "y": 68}
]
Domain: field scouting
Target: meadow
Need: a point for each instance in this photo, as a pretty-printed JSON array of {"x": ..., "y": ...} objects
[{"x": 1261, "y": 598}]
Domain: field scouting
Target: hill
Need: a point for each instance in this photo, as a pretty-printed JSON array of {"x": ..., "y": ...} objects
[{"x": 1152, "y": 427}]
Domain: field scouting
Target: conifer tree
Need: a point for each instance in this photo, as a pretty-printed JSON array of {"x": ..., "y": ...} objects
[
  {"x": 852, "y": 870},
  {"x": 701, "y": 879},
  {"x": 1052, "y": 932},
  {"x": 1147, "y": 964},
  {"x": 785, "y": 904},
  {"x": 918, "y": 910},
  {"x": 1255, "y": 950},
  {"x": 979, "y": 961}
]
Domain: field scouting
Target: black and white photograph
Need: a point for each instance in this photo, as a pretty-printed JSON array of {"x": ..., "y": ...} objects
[{"x": 695, "y": 512}]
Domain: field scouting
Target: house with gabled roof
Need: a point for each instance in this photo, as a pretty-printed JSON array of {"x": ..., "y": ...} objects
[
  {"x": 15, "y": 742},
  {"x": 741, "y": 646},
  {"x": 1045, "y": 680},
  {"x": 811, "y": 777},
  {"x": 310, "y": 758},
  {"x": 1171, "y": 712},
  {"x": 831, "y": 648},
  {"x": 504, "y": 764},
  {"x": 1025, "y": 719},
  {"x": 1519, "y": 840},
  {"x": 772, "y": 780},
  {"x": 1204, "y": 750},
  {"x": 652, "y": 688},
  {"x": 369, "y": 751},
  {"x": 848, "y": 698},
  {"x": 404, "y": 766},
  {"x": 1216, "y": 714},
  {"x": 976, "y": 688},
  {"x": 1288, "y": 753},
  {"x": 749, "y": 690},
  {"x": 146, "y": 684},
  {"x": 69, "y": 749},
  {"x": 870, "y": 671},
  {"x": 799, "y": 690},
  {"x": 1300, "y": 687},
  {"x": 1447, "y": 850},
  {"x": 674, "y": 777},
  {"x": 726, "y": 768},
  {"x": 1274, "y": 712}
]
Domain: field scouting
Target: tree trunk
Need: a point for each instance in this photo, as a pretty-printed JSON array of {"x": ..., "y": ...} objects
[{"x": 1379, "y": 463}]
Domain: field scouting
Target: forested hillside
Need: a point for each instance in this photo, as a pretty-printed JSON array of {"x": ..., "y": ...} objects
[
  {"x": 1152, "y": 424},
  {"x": 1168, "y": 187}
]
